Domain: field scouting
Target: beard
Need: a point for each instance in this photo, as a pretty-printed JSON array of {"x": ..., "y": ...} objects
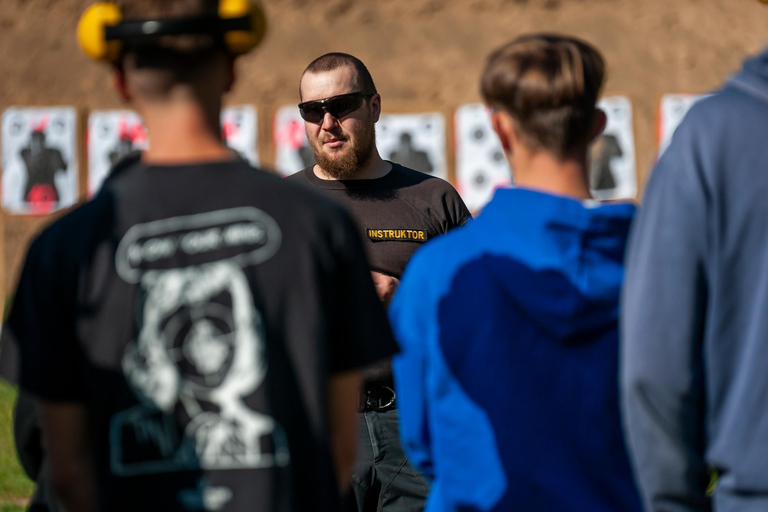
[{"x": 346, "y": 163}]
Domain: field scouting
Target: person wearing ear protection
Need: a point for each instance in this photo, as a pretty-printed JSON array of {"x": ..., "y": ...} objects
[
  {"x": 187, "y": 336},
  {"x": 508, "y": 327}
]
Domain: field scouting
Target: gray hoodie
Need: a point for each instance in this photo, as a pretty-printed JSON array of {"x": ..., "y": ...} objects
[{"x": 694, "y": 348}]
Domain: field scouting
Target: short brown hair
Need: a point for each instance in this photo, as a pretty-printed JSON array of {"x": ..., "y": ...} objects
[
  {"x": 549, "y": 85},
  {"x": 336, "y": 60}
]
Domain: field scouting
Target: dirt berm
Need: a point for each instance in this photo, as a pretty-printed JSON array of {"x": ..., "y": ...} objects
[{"x": 423, "y": 54}]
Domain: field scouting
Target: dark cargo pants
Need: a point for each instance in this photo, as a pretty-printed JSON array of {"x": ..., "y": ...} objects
[{"x": 383, "y": 478}]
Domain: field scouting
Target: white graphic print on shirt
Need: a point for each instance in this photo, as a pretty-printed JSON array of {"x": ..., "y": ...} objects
[{"x": 199, "y": 352}]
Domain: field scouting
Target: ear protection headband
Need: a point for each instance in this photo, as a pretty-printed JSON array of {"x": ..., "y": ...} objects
[{"x": 102, "y": 31}]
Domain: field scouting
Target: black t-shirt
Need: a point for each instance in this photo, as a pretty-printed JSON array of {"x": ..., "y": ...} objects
[
  {"x": 396, "y": 213},
  {"x": 199, "y": 312}
]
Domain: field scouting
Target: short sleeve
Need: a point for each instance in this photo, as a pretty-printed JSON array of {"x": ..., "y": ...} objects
[
  {"x": 457, "y": 213},
  {"x": 39, "y": 349},
  {"x": 359, "y": 329}
]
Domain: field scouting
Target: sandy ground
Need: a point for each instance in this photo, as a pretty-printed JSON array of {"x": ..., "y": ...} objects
[{"x": 423, "y": 54}]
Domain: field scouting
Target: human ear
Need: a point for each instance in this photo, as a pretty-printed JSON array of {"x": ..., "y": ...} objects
[
  {"x": 502, "y": 130},
  {"x": 231, "y": 75},
  {"x": 120, "y": 83},
  {"x": 599, "y": 126},
  {"x": 375, "y": 105}
]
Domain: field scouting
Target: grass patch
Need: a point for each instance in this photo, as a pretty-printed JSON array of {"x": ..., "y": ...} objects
[
  {"x": 12, "y": 508},
  {"x": 15, "y": 487}
]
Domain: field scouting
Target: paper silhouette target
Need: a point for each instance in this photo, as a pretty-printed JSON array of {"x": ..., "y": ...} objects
[
  {"x": 416, "y": 141},
  {"x": 292, "y": 150},
  {"x": 672, "y": 111},
  {"x": 39, "y": 159},
  {"x": 613, "y": 173},
  {"x": 239, "y": 126},
  {"x": 112, "y": 135},
  {"x": 413, "y": 140},
  {"x": 481, "y": 165}
]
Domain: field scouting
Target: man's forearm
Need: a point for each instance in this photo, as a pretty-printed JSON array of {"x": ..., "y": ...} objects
[
  {"x": 76, "y": 488},
  {"x": 67, "y": 446},
  {"x": 662, "y": 434},
  {"x": 343, "y": 393}
]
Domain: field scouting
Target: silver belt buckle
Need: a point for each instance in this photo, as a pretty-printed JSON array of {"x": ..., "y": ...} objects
[{"x": 392, "y": 400}]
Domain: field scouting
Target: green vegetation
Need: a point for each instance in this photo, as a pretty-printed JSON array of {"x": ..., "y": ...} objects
[
  {"x": 12, "y": 508},
  {"x": 15, "y": 487}
]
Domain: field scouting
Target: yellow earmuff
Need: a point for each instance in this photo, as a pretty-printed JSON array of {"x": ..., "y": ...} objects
[
  {"x": 242, "y": 41},
  {"x": 91, "y": 30}
]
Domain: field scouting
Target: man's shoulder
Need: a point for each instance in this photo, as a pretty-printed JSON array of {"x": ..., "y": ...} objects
[
  {"x": 308, "y": 207},
  {"x": 719, "y": 111},
  {"x": 298, "y": 177},
  {"x": 66, "y": 240},
  {"x": 314, "y": 196},
  {"x": 432, "y": 193},
  {"x": 297, "y": 185},
  {"x": 421, "y": 185},
  {"x": 124, "y": 179},
  {"x": 413, "y": 178},
  {"x": 74, "y": 237}
]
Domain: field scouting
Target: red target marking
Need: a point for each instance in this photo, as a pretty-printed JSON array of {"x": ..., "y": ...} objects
[
  {"x": 42, "y": 198},
  {"x": 131, "y": 131},
  {"x": 228, "y": 130},
  {"x": 292, "y": 135},
  {"x": 40, "y": 126}
]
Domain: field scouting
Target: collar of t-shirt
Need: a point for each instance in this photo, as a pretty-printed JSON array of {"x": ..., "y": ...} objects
[{"x": 388, "y": 180}]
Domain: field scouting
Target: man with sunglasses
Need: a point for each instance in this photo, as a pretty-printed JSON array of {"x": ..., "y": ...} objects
[{"x": 398, "y": 210}]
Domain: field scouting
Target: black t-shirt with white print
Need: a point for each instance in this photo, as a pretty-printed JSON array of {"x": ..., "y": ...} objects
[{"x": 199, "y": 311}]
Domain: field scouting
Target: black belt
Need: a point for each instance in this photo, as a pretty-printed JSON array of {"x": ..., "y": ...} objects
[{"x": 377, "y": 398}]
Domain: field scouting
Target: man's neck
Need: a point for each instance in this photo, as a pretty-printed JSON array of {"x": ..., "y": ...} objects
[
  {"x": 544, "y": 172},
  {"x": 375, "y": 168},
  {"x": 182, "y": 133}
]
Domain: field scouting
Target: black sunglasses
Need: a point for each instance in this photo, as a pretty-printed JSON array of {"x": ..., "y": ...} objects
[{"x": 338, "y": 106}]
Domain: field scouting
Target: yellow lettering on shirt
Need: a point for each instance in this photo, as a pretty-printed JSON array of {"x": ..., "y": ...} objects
[{"x": 418, "y": 235}]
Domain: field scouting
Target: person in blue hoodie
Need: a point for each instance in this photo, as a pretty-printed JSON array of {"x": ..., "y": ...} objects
[
  {"x": 695, "y": 309},
  {"x": 508, "y": 372}
]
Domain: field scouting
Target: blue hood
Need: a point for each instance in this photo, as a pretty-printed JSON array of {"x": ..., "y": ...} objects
[
  {"x": 508, "y": 371},
  {"x": 580, "y": 245},
  {"x": 753, "y": 77}
]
